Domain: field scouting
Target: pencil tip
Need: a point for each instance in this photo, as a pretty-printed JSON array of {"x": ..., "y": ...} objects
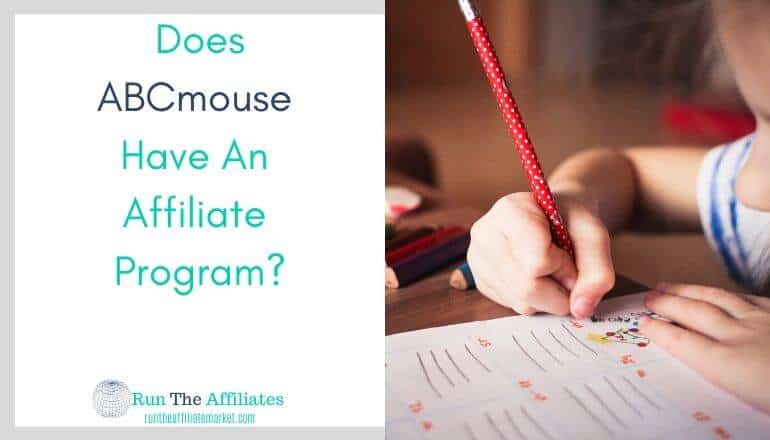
[{"x": 457, "y": 280}]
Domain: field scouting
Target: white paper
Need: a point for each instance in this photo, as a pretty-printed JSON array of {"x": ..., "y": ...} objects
[{"x": 548, "y": 377}]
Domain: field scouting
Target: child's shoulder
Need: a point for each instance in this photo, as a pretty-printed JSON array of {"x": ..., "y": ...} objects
[
  {"x": 738, "y": 235},
  {"x": 724, "y": 161},
  {"x": 718, "y": 172}
]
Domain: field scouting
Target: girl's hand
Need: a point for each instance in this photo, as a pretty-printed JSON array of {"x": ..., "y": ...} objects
[
  {"x": 516, "y": 264},
  {"x": 722, "y": 335}
]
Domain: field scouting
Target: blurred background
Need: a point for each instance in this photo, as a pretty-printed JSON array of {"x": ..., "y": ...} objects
[{"x": 585, "y": 73}]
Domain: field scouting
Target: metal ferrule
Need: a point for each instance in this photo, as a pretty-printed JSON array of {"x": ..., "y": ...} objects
[{"x": 469, "y": 8}]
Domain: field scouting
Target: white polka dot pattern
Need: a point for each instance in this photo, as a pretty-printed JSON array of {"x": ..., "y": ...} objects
[{"x": 518, "y": 132}]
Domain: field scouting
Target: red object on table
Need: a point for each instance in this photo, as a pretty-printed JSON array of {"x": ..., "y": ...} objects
[
  {"x": 409, "y": 249},
  {"x": 709, "y": 123},
  {"x": 515, "y": 123}
]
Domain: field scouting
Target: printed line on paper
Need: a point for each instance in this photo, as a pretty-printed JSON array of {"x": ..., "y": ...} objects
[
  {"x": 477, "y": 359},
  {"x": 427, "y": 377},
  {"x": 527, "y": 354},
  {"x": 537, "y": 340},
  {"x": 574, "y": 336},
  {"x": 457, "y": 367},
  {"x": 441, "y": 370}
]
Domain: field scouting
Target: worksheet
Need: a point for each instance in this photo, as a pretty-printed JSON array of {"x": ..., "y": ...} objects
[{"x": 549, "y": 377}]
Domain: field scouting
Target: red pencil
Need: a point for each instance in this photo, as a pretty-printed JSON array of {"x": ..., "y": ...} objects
[
  {"x": 418, "y": 245},
  {"x": 513, "y": 119}
]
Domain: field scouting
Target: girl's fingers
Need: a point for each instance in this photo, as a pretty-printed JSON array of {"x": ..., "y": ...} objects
[
  {"x": 566, "y": 273},
  {"x": 700, "y": 316},
  {"x": 596, "y": 275},
  {"x": 491, "y": 293},
  {"x": 484, "y": 274},
  {"x": 489, "y": 280},
  {"x": 527, "y": 233},
  {"x": 730, "y": 303},
  {"x": 513, "y": 256},
  {"x": 759, "y": 301},
  {"x": 697, "y": 351},
  {"x": 543, "y": 294}
]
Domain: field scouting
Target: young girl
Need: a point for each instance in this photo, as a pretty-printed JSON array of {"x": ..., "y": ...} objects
[{"x": 725, "y": 192}]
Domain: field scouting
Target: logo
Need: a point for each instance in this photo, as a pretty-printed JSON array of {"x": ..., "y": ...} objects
[{"x": 111, "y": 398}]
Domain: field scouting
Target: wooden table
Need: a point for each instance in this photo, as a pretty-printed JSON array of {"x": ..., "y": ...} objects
[{"x": 431, "y": 302}]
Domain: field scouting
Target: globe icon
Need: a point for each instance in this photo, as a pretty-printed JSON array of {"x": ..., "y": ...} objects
[{"x": 111, "y": 398}]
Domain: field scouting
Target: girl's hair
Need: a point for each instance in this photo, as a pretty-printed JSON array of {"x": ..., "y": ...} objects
[{"x": 671, "y": 42}]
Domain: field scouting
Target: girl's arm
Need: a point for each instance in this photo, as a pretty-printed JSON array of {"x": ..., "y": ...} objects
[{"x": 646, "y": 188}]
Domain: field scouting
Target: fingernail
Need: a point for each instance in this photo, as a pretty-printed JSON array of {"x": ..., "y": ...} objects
[
  {"x": 662, "y": 286},
  {"x": 583, "y": 307}
]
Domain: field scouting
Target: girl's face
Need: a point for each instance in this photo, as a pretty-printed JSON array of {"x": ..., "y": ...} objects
[{"x": 744, "y": 31}]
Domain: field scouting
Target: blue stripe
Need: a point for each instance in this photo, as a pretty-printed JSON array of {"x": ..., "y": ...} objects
[
  {"x": 733, "y": 204},
  {"x": 717, "y": 229}
]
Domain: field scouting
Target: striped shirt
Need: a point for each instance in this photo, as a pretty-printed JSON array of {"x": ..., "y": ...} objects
[{"x": 739, "y": 235}]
